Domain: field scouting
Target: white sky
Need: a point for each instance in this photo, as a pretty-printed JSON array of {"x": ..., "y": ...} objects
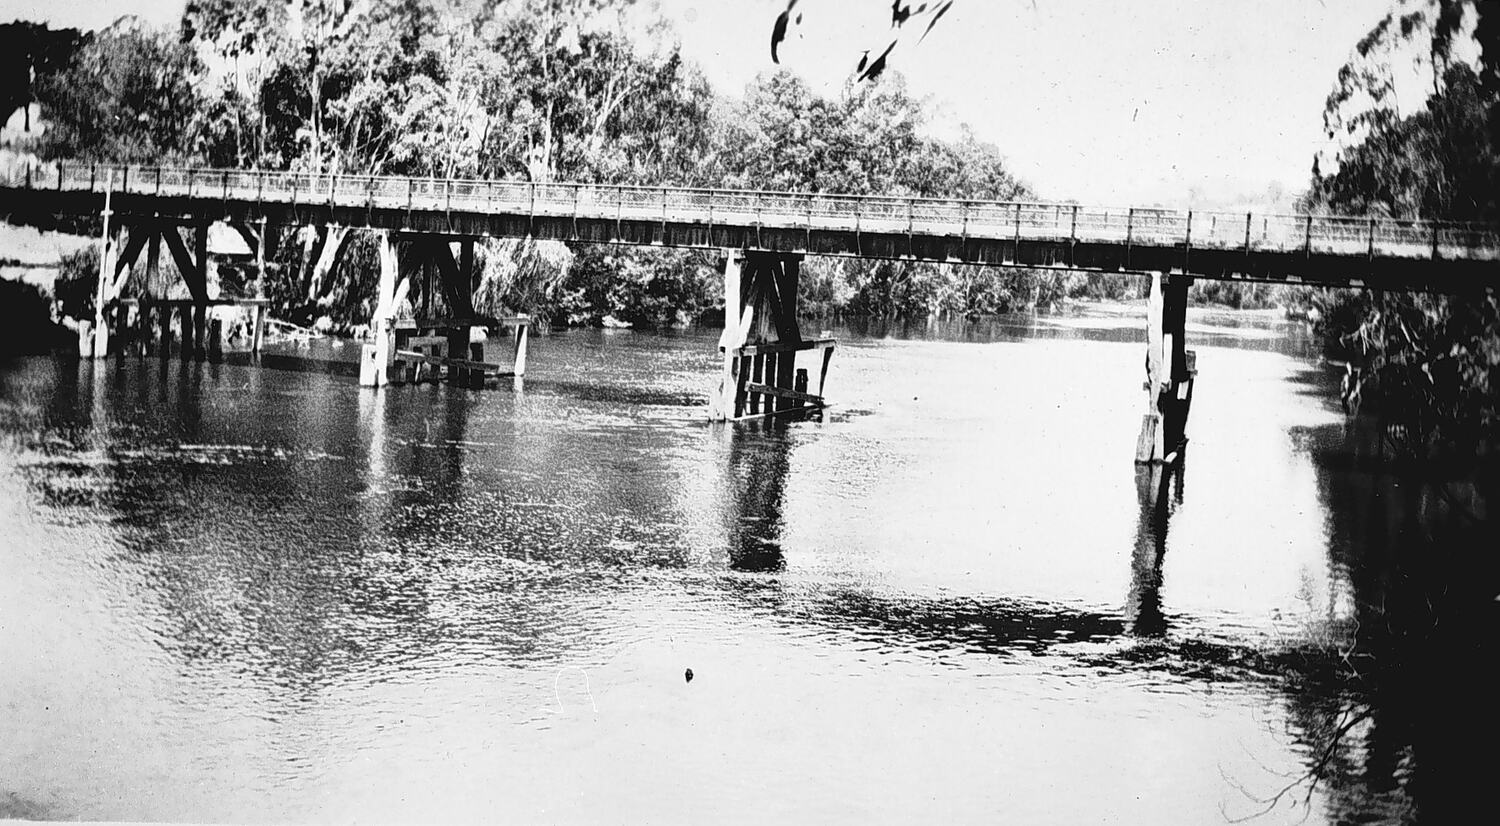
[{"x": 1104, "y": 101}]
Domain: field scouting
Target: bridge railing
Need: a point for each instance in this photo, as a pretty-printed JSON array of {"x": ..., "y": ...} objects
[{"x": 1021, "y": 221}]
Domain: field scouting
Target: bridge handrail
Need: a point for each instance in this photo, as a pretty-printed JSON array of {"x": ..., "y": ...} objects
[{"x": 955, "y": 217}]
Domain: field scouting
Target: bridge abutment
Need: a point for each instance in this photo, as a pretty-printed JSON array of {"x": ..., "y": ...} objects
[
  {"x": 761, "y": 340},
  {"x": 1170, "y": 371}
]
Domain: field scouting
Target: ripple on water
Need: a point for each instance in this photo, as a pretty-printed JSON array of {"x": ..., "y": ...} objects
[{"x": 304, "y": 601}]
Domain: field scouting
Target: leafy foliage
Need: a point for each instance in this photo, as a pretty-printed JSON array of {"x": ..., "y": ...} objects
[
  {"x": 1429, "y": 363},
  {"x": 592, "y": 90},
  {"x": 125, "y": 96}
]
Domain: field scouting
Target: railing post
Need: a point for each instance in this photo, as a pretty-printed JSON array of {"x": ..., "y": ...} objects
[
  {"x": 28, "y": 174},
  {"x": 1187, "y": 243},
  {"x": 757, "y": 220},
  {"x": 1249, "y": 218},
  {"x": 911, "y": 208},
  {"x": 1435, "y": 226},
  {"x": 1307, "y": 237},
  {"x": 663, "y": 210},
  {"x": 1130, "y": 227},
  {"x": 807, "y": 228},
  {"x": 1073, "y": 230},
  {"x": 59, "y": 175},
  {"x": 226, "y": 189},
  {"x": 93, "y": 176},
  {"x": 1372, "y": 239},
  {"x": 411, "y": 189},
  {"x": 158, "y": 180}
]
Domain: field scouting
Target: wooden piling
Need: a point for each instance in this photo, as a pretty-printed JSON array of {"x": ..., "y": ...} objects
[
  {"x": 761, "y": 338},
  {"x": 185, "y": 344},
  {"x": 519, "y": 368},
  {"x": 1169, "y": 374},
  {"x": 99, "y": 346},
  {"x": 377, "y": 359},
  {"x": 258, "y": 330},
  {"x": 164, "y": 348},
  {"x": 200, "y": 330}
]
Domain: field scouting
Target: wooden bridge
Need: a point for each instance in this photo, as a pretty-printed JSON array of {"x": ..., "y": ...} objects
[
  {"x": 765, "y": 234},
  {"x": 1316, "y": 249}
]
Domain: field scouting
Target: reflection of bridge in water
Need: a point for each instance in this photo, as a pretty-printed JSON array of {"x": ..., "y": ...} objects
[{"x": 765, "y": 234}]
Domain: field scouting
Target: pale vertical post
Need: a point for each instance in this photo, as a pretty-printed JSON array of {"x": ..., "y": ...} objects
[
  {"x": 200, "y": 307},
  {"x": 260, "y": 259},
  {"x": 722, "y": 403},
  {"x": 100, "y": 331},
  {"x": 376, "y": 358},
  {"x": 522, "y": 328},
  {"x": 1149, "y": 445},
  {"x": 258, "y": 332}
]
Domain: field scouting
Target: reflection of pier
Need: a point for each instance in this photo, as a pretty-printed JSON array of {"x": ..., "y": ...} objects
[
  {"x": 1401, "y": 719},
  {"x": 1159, "y": 491},
  {"x": 758, "y": 465}
]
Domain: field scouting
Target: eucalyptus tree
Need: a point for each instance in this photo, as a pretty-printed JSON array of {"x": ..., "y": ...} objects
[
  {"x": 590, "y": 90},
  {"x": 1431, "y": 362}
]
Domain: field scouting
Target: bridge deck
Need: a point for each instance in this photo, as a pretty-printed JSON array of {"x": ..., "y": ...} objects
[{"x": 1268, "y": 247}]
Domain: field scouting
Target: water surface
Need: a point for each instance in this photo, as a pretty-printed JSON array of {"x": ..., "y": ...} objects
[{"x": 239, "y": 593}]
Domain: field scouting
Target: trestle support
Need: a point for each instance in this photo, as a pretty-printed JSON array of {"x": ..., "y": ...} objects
[{"x": 761, "y": 340}]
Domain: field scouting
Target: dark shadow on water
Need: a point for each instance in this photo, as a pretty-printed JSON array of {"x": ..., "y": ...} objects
[
  {"x": 756, "y": 469},
  {"x": 934, "y": 625},
  {"x": 1159, "y": 492},
  {"x": 297, "y": 364},
  {"x": 628, "y": 396},
  {"x": 1416, "y": 546}
]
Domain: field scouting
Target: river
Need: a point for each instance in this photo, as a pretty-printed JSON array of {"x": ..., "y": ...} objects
[{"x": 238, "y": 593}]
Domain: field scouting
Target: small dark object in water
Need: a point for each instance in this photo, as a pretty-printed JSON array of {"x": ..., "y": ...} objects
[{"x": 688, "y": 675}]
